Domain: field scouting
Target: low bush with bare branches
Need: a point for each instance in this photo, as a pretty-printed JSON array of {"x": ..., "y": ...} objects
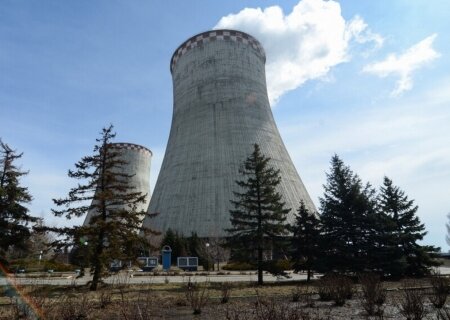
[
  {"x": 296, "y": 294},
  {"x": 373, "y": 294},
  {"x": 440, "y": 289},
  {"x": 303, "y": 295},
  {"x": 307, "y": 298},
  {"x": 265, "y": 309},
  {"x": 443, "y": 313},
  {"x": 104, "y": 298},
  {"x": 336, "y": 287},
  {"x": 412, "y": 303},
  {"x": 139, "y": 308},
  {"x": 197, "y": 296},
  {"x": 325, "y": 289},
  {"x": 225, "y": 290},
  {"x": 73, "y": 308}
]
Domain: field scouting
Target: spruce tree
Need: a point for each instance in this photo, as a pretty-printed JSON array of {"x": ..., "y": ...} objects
[
  {"x": 382, "y": 255},
  {"x": 114, "y": 230},
  {"x": 14, "y": 215},
  {"x": 305, "y": 240},
  {"x": 347, "y": 213},
  {"x": 197, "y": 247},
  {"x": 407, "y": 256},
  {"x": 176, "y": 242},
  {"x": 40, "y": 242},
  {"x": 259, "y": 215}
]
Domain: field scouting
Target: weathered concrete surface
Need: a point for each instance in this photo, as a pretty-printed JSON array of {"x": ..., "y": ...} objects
[
  {"x": 220, "y": 110},
  {"x": 138, "y": 160},
  {"x": 144, "y": 278},
  {"x": 138, "y": 278}
]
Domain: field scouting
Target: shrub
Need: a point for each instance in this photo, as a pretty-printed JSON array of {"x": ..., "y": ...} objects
[
  {"x": 342, "y": 290},
  {"x": 296, "y": 294},
  {"x": 335, "y": 287},
  {"x": 443, "y": 313},
  {"x": 373, "y": 293},
  {"x": 197, "y": 296},
  {"x": 57, "y": 266},
  {"x": 264, "y": 309},
  {"x": 137, "y": 308},
  {"x": 412, "y": 303},
  {"x": 74, "y": 308},
  {"x": 439, "y": 290},
  {"x": 277, "y": 267},
  {"x": 270, "y": 310},
  {"x": 225, "y": 289},
  {"x": 35, "y": 265},
  {"x": 105, "y": 298},
  {"x": 307, "y": 297},
  {"x": 284, "y": 264},
  {"x": 325, "y": 289},
  {"x": 238, "y": 312},
  {"x": 238, "y": 266}
]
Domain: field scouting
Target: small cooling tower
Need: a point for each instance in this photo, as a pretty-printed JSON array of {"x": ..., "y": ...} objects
[
  {"x": 220, "y": 110},
  {"x": 138, "y": 159}
]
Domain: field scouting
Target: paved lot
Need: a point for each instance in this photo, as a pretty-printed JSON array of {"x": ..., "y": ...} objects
[{"x": 140, "y": 278}]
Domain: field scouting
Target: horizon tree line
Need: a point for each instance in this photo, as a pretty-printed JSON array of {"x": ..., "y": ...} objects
[{"x": 358, "y": 229}]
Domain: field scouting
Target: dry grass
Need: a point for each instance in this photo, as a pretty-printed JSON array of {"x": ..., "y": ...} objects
[{"x": 168, "y": 301}]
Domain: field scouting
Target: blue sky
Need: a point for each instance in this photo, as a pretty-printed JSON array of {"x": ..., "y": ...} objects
[{"x": 368, "y": 80}]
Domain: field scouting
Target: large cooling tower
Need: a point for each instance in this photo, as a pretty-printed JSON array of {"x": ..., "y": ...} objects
[
  {"x": 137, "y": 165},
  {"x": 220, "y": 110}
]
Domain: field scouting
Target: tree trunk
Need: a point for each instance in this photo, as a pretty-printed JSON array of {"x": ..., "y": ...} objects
[
  {"x": 95, "y": 279},
  {"x": 100, "y": 240},
  {"x": 97, "y": 263},
  {"x": 260, "y": 267},
  {"x": 97, "y": 274},
  {"x": 308, "y": 277},
  {"x": 260, "y": 235}
]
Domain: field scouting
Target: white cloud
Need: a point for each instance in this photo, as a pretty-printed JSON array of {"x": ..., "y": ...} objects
[
  {"x": 404, "y": 64},
  {"x": 359, "y": 31},
  {"x": 302, "y": 45}
]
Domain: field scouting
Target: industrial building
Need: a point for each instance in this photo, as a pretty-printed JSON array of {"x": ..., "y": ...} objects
[
  {"x": 137, "y": 161},
  {"x": 220, "y": 110}
]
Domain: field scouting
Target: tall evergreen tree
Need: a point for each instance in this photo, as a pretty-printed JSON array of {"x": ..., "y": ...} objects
[
  {"x": 259, "y": 215},
  {"x": 14, "y": 215},
  {"x": 40, "y": 242},
  {"x": 115, "y": 227},
  {"x": 197, "y": 247},
  {"x": 348, "y": 208},
  {"x": 192, "y": 246},
  {"x": 408, "y": 257},
  {"x": 382, "y": 257},
  {"x": 176, "y": 242},
  {"x": 305, "y": 240}
]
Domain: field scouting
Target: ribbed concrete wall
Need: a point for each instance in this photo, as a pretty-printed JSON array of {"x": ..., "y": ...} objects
[
  {"x": 220, "y": 110},
  {"x": 138, "y": 161}
]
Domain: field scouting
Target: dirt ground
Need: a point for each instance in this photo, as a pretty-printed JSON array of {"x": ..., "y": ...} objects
[{"x": 170, "y": 301}]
